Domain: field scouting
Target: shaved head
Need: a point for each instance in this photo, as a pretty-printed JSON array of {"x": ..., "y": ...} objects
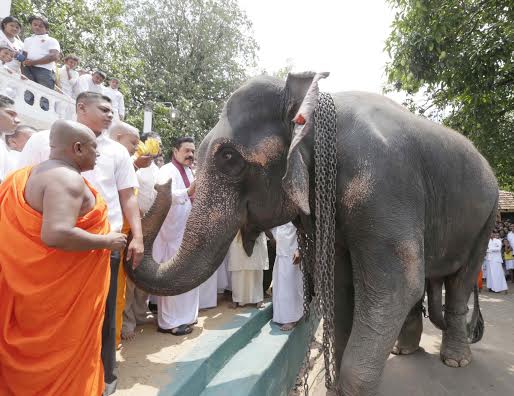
[
  {"x": 64, "y": 133},
  {"x": 122, "y": 128},
  {"x": 73, "y": 143},
  {"x": 126, "y": 135}
]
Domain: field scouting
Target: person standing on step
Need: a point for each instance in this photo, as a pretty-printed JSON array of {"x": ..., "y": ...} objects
[{"x": 287, "y": 278}]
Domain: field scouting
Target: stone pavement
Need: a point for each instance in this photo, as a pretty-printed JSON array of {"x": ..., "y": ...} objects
[{"x": 423, "y": 374}]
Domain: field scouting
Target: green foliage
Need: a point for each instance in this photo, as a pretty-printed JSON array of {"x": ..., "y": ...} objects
[
  {"x": 459, "y": 55},
  {"x": 195, "y": 53}
]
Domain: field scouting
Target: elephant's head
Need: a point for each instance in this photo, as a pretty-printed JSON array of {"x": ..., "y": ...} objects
[{"x": 253, "y": 174}]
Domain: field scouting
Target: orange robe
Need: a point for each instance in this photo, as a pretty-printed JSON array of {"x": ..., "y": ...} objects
[{"x": 52, "y": 302}]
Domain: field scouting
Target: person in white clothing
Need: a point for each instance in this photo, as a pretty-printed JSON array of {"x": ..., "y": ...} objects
[
  {"x": 8, "y": 122},
  {"x": 247, "y": 272},
  {"x": 495, "y": 276},
  {"x": 287, "y": 278},
  {"x": 176, "y": 314},
  {"x": 17, "y": 140},
  {"x": 10, "y": 29},
  {"x": 41, "y": 52},
  {"x": 91, "y": 83},
  {"x": 68, "y": 76},
  {"x": 117, "y": 99},
  {"x": 115, "y": 179},
  {"x": 15, "y": 143}
]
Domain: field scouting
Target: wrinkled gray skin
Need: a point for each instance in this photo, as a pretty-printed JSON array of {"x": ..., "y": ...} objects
[{"x": 415, "y": 203}]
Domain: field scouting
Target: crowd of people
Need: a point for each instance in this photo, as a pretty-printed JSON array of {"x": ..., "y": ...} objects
[
  {"x": 69, "y": 196},
  {"x": 499, "y": 260},
  {"x": 36, "y": 58}
]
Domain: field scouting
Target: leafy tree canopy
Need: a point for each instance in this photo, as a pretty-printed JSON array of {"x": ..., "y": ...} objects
[{"x": 459, "y": 55}]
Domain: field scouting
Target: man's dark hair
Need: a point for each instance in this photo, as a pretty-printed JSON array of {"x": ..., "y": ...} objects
[
  {"x": 104, "y": 75},
  {"x": 9, "y": 19},
  {"x": 184, "y": 139},
  {"x": 6, "y": 102},
  {"x": 38, "y": 17},
  {"x": 88, "y": 96}
]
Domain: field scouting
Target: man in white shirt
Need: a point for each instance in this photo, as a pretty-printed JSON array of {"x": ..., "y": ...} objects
[
  {"x": 117, "y": 99},
  {"x": 68, "y": 76},
  {"x": 91, "y": 83},
  {"x": 8, "y": 122},
  {"x": 176, "y": 314},
  {"x": 41, "y": 52},
  {"x": 495, "y": 275},
  {"x": 115, "y": 178},
  {"x": 287, "y": 278},
  {"x": 15, "y": 142}
]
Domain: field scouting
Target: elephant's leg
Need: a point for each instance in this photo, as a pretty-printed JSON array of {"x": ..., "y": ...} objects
[
  {"x": 410, "y": 334},
  {"x": 386, "y": 287},
  {"x": 455, "y": 351},
  {"x": 343, "y": 305}
]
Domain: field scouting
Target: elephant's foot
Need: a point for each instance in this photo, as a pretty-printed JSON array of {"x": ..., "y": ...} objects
[
  {"x": 455, "y": 353},
  {"x": 401, "y": 349}
]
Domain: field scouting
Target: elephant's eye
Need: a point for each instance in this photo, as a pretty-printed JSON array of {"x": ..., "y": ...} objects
[{"x": 229, "y": 161}]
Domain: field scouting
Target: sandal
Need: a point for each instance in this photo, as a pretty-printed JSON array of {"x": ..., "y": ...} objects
[{"x": 177, "y": 331}]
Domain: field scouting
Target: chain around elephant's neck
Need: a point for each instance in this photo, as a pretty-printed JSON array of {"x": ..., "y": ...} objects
[{"x": 318, "y": 248}]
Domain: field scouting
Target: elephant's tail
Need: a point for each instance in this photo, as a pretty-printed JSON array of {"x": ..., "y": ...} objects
[
  {"x": 475, "y": 326},
  {"x": 435, "y": 303}
]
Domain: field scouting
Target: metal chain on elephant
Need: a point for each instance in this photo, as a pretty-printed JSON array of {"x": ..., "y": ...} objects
[{"x": 318, "y": 250}]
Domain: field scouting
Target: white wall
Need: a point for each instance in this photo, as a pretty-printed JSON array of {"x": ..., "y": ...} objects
[{"x": 5, "y": 8}]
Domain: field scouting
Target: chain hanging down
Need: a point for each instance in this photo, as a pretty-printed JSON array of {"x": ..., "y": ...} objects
[{"x": 318, "y": 250}]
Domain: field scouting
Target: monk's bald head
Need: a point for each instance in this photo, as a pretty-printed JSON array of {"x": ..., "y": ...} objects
[
  {"x": 126, "y": 135},
  {"x": 74, "y": 143},
  {"x": 65, "y": 133}
]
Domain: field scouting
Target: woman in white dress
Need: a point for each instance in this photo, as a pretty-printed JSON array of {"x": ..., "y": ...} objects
[{"x": 495, "y": 275}]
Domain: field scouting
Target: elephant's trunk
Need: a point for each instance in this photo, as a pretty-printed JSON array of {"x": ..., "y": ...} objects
[{"x": 202, "y": 249}]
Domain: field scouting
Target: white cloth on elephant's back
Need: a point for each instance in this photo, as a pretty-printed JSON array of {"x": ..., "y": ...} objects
[
  {"x": 209, "y": 292},
  {"x": 174, "y": 311},
  {"x": 495, "y": 275},
  {"x": 147, "y": 178},
  {"x": 287, "y": 277},
  {"x": 247, "y": 272}
]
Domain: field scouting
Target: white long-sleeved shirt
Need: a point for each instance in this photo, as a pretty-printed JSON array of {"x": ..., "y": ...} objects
[{"x": 117, "y": 101}]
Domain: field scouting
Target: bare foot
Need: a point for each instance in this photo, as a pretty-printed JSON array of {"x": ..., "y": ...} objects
[
  {"x": 259, "y": 304},
  {"x": 233, "y": 305},
  {"x": 128, "y": 336},
  {"x": 288, "y": 326}
]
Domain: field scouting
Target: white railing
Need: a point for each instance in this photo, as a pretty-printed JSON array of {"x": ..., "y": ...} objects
[{"x": 59, "y": 106}]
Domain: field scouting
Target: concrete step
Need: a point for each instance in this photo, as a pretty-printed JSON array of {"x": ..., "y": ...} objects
[
  {"x": 267, "y": 365},
  {"x": 192, "y": 372}
]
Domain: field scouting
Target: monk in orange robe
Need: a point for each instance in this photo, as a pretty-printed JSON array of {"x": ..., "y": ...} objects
[{"x": 54, "y": 272}]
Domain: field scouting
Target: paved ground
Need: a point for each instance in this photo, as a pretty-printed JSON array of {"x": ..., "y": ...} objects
[
  {"x": 143, "y": 363},
  {"x": 422, "y": 374}
]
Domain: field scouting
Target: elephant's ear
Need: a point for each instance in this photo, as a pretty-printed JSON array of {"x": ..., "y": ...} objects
[{"x": 302, "y": 94}]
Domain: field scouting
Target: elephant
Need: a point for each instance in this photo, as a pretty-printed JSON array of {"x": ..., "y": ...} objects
[{"x": 415, "y": 204}]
